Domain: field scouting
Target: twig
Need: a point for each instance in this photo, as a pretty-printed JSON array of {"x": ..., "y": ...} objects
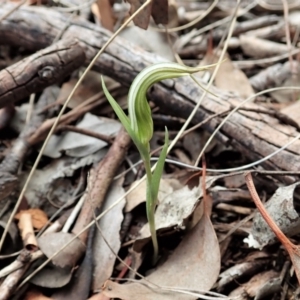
[
  {"x": 12, "y": 10},
  {"x": 100, "y": 180},
  {"x": 87, "y": 132},
  {"x": 292, "y": 249},
  {"x": 27, "y": 231}
]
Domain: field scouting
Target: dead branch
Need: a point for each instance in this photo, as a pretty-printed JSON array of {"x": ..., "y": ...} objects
[
  {"x": 100, "y": 180},
  {"x": 254, "y": 134},
  {"x": 10, "y": 165},
  {"x": 39, "y": 70}
]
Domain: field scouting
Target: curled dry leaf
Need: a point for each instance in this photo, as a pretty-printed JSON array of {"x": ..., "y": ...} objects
[
  {"x": 171, "y": 212},
  {"x": 38, "y": 217},
  {"x": 138, "y": 195},
  {"x": 51, "y": 183},
  {"x": 194, "y": 265},
  {"x": 27, "y": 231},
  {"x": 281, "y": 209},
  {"x": 174, "y": 210}
]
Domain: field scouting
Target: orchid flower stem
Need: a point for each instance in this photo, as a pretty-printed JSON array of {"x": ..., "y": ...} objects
[
  {"x": 139, "y": 125},
  {"x": 150, "y": 207}
]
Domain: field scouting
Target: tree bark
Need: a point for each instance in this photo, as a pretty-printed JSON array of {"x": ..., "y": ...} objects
[
  {"x": 254, "y": 134},
  {"x": 39, "y": 70}
]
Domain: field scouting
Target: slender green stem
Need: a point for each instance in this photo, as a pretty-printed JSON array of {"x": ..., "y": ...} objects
[{"x": 150, "y": 206}]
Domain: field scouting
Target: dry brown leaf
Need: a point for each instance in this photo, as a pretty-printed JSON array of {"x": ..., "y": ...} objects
[
  {"x": 143, "y": 18},
  {"x": 194, "y": 265},
  {"x": 229, "y": 77},
  {"x": 136, "y": 291},
  {"x": 263, "y": 284},
  {"x": 88, "y": 88},
  {"x": 232, "y": 79},
  {"x": 172, "y": 212},
  {"x": 38, "y": 217},
  {"x": 157, "y": 8},
  {"x": 103, "y": 11},
  {"x": 160, "y": 11},
  {"x": 79, "y": 145}
]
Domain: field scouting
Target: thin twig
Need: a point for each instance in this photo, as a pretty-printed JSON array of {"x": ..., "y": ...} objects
[
  {"x": 12, "y": 10},
  {"x": 275, "y": 228}
]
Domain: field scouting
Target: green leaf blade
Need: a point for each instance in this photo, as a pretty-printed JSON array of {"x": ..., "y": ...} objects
[{"x": 157, "y": 174}]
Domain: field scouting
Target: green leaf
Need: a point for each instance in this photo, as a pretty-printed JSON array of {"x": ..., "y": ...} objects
[
  {"x": 157, "y": 174},
  {"x": 118, "y": 110}
]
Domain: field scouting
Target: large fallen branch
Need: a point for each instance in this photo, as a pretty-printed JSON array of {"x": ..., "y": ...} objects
[
  {"x": 254, "y": 134},
  {"x": 40, "y": 70}
]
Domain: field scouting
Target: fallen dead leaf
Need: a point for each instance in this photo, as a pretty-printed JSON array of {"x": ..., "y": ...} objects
[
  {"x": 229, "y": 77},
  {"x": 52, "y": 182},
  {"x": 88, "y": 88},
  {"x": 160, "y": 11},
  {"x": 194, "y": 265},
  {"x": 157, "y": 8},
  {"x": 38, "y": 217},
  {"x": 174, "y": 210},
  {"x": 52, "y": 276},
  {"x": 103, "y": 11},
  {"x": 138, "y": 195},
  {"x": 143, "y": 18},
  {"x": 69, "y": 256}
]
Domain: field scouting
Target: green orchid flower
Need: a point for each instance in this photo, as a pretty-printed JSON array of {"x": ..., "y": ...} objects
[{"x": 139, "y": 125}]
